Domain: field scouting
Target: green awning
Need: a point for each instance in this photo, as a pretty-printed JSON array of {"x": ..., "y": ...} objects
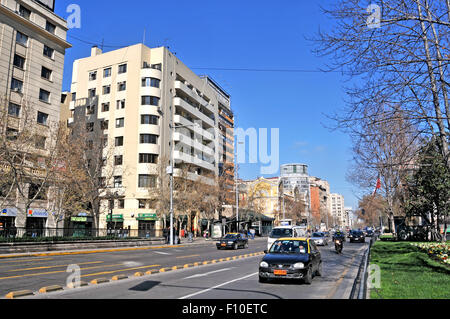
[
  {"x": 150, "y": 217},
  {"x": 115, "y": 218},
  {"x": 79, "y": 219}
]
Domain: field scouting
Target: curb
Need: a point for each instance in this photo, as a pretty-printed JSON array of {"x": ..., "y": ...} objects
[
  {"x": 48, "y": 289},
  {"x": 73, "y": 285},
  {"x": 18, "y": 294},
  {"x": 119, "y": 277},
  {"x": 99, "y": 281}
]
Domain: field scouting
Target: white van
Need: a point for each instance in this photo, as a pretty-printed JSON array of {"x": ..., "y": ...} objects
[{"x": 285, "y": 231}]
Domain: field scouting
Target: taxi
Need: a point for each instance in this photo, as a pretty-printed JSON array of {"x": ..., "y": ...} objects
[
  {"x": 291, "y": 258},
  {"x": 233, "y": 241}
]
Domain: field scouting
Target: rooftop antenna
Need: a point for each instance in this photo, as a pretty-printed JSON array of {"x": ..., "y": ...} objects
[
  {"x": 103, "y": 40},
  {"x": 143, "y": 39}
]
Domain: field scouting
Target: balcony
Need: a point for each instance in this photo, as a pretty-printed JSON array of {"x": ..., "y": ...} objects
[
  {"x": 193, "y": 94},
  {"x": 151, "y": 73},
  {"x": 177, "y": 101},
  {"x": 194, "y": 177},
  {"x": 186, "y": 158},
  {"x": 186, "y": 140},
  {"x": 178, "y": 119}
]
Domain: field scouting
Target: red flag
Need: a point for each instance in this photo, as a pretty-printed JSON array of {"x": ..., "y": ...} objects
[{"x": 378, "y": 186}]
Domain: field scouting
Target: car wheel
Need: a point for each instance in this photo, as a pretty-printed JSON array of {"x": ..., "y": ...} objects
[
  {"x": 308, "y": 277},
  {"x": 263, "y": 280},
  {"x": 319, "y": 270}
]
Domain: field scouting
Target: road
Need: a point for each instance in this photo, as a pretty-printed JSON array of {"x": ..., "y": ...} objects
[{"x": 234, "y": 279}]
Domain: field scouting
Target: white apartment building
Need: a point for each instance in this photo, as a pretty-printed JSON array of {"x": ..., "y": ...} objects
[
  {"x": 32, "y": 49},
  {"x": 338, "y": 210},
  {"x": 141, "y": 93}
]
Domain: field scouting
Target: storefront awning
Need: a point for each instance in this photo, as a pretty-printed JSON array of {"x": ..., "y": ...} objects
[
  {"x": 115, "y": 218},
  {"x": 147, "y": 217},
  {"x": 8, "y": 212}
]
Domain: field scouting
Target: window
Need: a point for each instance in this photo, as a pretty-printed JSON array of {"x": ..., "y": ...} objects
[
  {"x": 119, "y": 141},
  {"x": 19, "y": 61},
  {"x": 122, "y": 68},
  {"x": 142, "y": 203},
  {"x": 104, "y": 140},
  {"x": 146, "y": 82},
  {"x": 93, "y": 76},
  {"x": 120, "y": 122},
  {"x": 14, "y": 109},
  {"x": 44, "y": 95},
  {"x": 148, "y": 159},
  {"x": 107, "y": 72},
  {"x": 46, "y": 73},
  {"x": 120, "y": 104},
  {"x": 40, "y": 142},
  {"x": 104, "y": 124},
  {"x": 48, "y": 52},
  {"x": 122, "y": 86},
  {"x": 121, "y": 203},
  {"x": 90, "y": 127},
  {"x": 117, "y": 181},
  {"x": 105, "y": 107},
  {"x": 150, "y": 100},
  {"x": 16, "y": 85},
  {"x": 92, "y": 93},
  {"x": 149, "y": 119},
  {"x": 147, "y": 181},
  {"x": 42, "y": 118},
  {"x": 11, "y": 134},
  {"x": 50, "y": 27},
  {"x": 74, "y": 96},
  {"x": 24, "y": 12},
  {"x": 157, "y": 66},
  {"x": 21, "y": 38},
  {"x": 37, "y": 192},
  {"x": 149, "y": 139},
  {"x": 118, "y": 160},
  {"x": 107, "y": 89}
]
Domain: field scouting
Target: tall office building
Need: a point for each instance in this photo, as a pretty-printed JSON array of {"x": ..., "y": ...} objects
[
  {"x": 338, "y": 210},
  {"x": 32, "y": 48},
  {"x": 137, "y": 92}
]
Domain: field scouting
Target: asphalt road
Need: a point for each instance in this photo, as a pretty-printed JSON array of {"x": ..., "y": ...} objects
[{"x": 236, "y": 279}]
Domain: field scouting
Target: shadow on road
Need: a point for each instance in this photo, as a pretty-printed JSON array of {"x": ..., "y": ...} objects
[{"x": 145, "y": 286}]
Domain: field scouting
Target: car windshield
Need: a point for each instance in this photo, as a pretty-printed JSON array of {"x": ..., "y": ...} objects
[
  {"x": 289, "y": 247},
  {"x": 317, "y": 235},
  {"x": 357, "y": 233},
  {"x": 230, "y": 236},
  {"x": 281, "y": 232}
]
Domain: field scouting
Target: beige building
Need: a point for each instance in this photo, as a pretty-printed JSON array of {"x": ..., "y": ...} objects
[
  {"x": 338, "y": 210},
  {"x": 32, "y": 49},
  {"x": 138, "y": 92},
  {"x": 262, "y": 195}
]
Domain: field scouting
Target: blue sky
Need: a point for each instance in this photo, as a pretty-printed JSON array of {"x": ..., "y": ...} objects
[{"x": 239, "y": 34}]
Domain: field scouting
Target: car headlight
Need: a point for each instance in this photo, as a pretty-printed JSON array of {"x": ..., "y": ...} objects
[
  {"x": 230, "y": 242},
  {"x": 264, "y": 265},
  {"x": 299, "y": 266}
]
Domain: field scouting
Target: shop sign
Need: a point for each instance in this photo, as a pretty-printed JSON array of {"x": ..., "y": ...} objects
[
  {"x": 83, "y": 214},
  {"x": 37, "y": 213},
  {"x": 150, "y": 217},
  {"x": 79, "y": 219},
  {"x": 8, "y": 212},
  {"x": 115, "y": 218}
]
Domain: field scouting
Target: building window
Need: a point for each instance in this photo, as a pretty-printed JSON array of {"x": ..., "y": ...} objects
[
  {"x": 151, "y": 82},
  {"x": 107, "y": 72},
  {"x": 40, "y": 142},
  {"x": 117, "y": 181},
  {"x": 104, "y": 141},
  {"x": 92, "y": 93},
  {"x": 107, "y": 89},
  {"x": 48, "y": 52},
  {"x": 120, "y": 122},
  {"x": 104, "y": 124},
  {"x": 21, "y": 39},
  {"x": 122, "y": 68},
  {"x": 16, "y": 85},
  {"x": 157, "y": 66},
  {"x": 105, "y": 107},
  {"x": 74, "y": 96},
  {"x": 14, "y": 109},
  {"x": 44, "y": 96},
  {"x": 90, "y": 127},
  {"x": 148, "y": 159},
  {"x": 93, "y": 76},
  {"x": 121, "y": 203},
  {"x": 24, "y": 12},
  {"x": 119, "y": 141},
  {"x": 147, "y": 181},
  {"x": 149, "y": 139},
  {"x": 122, "y": 86},
  {"x": 120, "y": 104},
  {"x": 37, "y": 192},
  {"x": 150, "y": 100},
  {"x": 46, "y": 73},
  {"x": 142, "y": 203},
  {"x": 11, "y": 134},
  {"x": 149, "y": 119},
  {"x": 19, "y": 61},
  {"x": 118, "y": 160},
  {"x": 50, "y": 27},
  {"x": 42, "y": 118}
]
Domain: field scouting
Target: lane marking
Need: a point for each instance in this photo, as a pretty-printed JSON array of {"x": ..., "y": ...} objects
[
  {"x": 161, "y": 253},
  {"x": 47, "y": 267},
  {"x": 21, "y": 261},
  {"x": 208, "y": 273},
  {"x": 120, "y": 270},
  {"x": 188, "y": 256},
  {"x": 218, "y": 286}
]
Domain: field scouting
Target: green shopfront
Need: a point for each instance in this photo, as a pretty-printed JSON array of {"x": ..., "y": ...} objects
[
  {"x": 115, "y": 221},
  {"x": 147, "y": 225},
  {"x": 81, "y": 225}
]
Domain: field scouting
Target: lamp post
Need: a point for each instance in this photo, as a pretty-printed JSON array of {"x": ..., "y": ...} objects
[
  {"x": 111, "y": 207},
  {"x": 170, "y": 172}
]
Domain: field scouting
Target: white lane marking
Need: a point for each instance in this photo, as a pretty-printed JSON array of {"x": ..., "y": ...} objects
[
  {"x": 160, "y": 252},
  {"x": 208, "y": 273},
  {"x": 131, "y": 264},
  {"x": 218, "y": 286}
]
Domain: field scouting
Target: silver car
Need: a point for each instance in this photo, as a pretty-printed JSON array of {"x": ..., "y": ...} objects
[{"x": 320, "y": 239}]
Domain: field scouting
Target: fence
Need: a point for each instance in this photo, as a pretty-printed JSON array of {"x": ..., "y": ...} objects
[{"x": 21, "y": 233}]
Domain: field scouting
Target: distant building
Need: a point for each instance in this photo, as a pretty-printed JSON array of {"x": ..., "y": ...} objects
[
  {"x": 338, "y": 210},
  {"x": 294, "y": 181},
  {"x": 320, "y": 201}
]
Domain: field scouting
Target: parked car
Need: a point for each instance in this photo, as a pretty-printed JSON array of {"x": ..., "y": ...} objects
[
  {"x": 357, "y": 236},
  {"x": 291, "y": 258},
  {"x": 320, "y": 239},
  {"x": 233, "y": 241}
]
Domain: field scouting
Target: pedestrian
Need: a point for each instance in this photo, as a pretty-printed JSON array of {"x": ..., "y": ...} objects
[
  {"x": 252, "y": 232},
  {"x": 182, "y": 233}
]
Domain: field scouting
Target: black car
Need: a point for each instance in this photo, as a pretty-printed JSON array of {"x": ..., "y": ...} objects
[
  {"x": 369, "y": 233},
  {"x": 233, "y": 241},
  {"x": 291, "y": 258},
  {"x": 357, "y": 236}
]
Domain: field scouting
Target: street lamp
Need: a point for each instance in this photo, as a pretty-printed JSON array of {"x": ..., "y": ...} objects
[
  {"x": 170, "y": 172},
  {"x": 111, "y": 207}
]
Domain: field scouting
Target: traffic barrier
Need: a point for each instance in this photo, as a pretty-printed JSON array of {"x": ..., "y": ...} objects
[
  {"x": 18, "y": 294},
  {"x": 138, "y": 274},
  {"x": 72, "y": 285},
  {"x": 151, "y": 272},
  {"x": 119, "y": 277},
  {"x": 99, "y": 281},
  {"x": 48, "y": 289}
]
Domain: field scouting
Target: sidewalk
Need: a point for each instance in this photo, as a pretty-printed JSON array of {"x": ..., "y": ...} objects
[{"x": 130, "y": 247}]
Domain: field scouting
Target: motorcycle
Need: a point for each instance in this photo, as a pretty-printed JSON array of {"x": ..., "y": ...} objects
[{"x": 338, "y": 245}]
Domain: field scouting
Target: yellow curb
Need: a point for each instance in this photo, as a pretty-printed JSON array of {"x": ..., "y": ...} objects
[
  {"x": 196, "y": 264},
  {"x": 151, "y": 272},
  {"x": 99, "y": 281},
  {"x": 221, "y": 259},
  {"x": 17, "y": 294},
  {"x": 188, "y": 265},
  {"x": 206, "y": 262},
  {"x": 119, "y": 277},
  {"x": 73, "y": 285},
  {"x": 234, "y": 258},
  {"x": 228, "y": 258},
  {"x": 176, "y": 267},
  {"x": 138, "y": 274},
  {"x": 213, "y": 261},
  {"x": 47, "y": 289}
]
